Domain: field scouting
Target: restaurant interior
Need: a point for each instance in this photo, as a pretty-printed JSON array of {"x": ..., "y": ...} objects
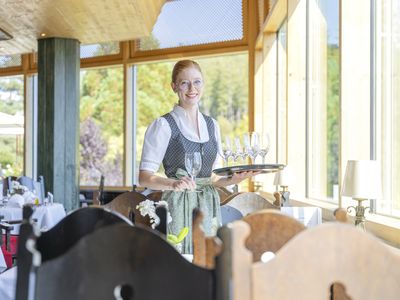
[{"x": 306, "y": 98}]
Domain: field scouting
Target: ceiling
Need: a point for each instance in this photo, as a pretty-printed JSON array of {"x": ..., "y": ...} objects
[{"x": 89, "y": 21}]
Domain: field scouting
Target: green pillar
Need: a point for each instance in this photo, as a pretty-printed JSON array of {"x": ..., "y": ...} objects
[{"x": 58, "y": 118}]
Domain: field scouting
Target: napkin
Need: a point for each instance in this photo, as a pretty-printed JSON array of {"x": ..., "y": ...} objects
[
  {"x": 29, "y": 197},
  {"x": 16, "y": 200}
]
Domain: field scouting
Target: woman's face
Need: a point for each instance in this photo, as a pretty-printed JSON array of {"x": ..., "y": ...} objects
[{"x": 189, "y": 87}]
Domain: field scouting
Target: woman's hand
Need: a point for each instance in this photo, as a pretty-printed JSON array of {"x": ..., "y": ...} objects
[
  {"x": 185, "y": 183},
  {"x": 240, "y": 176}
]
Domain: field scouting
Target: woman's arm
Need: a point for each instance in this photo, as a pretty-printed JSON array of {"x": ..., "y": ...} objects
[
  {"x": 155, "y": 182},
  {"x": 235, "y": 179}
]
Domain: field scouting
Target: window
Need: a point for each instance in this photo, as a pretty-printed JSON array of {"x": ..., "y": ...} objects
[
  {"x": 225, "y": 97},
  {"x": 102, "y": 126},
  {"x": 282, "y": 93},
  {"x": 323, "y": 100},
  {"x": 12, "y": 125},
  {"x": 10, "y": 61},
  {"x": 388, "y": 103},
  {"x": 195, "y": 22},
  {"x": 100, "y": 49}
]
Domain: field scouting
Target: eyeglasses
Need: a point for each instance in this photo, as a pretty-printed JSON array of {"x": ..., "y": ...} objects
[{"x": 184, "y": 85}]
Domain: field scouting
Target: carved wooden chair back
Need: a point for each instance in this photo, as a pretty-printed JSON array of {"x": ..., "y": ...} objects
[
  {"x": 126, "y": 204},
  {"x": 134, "y": 263},
  {"x": 311, "y": 264},
  {"x": 58, "y": 240},
  {"x": 248, "y": 203}
]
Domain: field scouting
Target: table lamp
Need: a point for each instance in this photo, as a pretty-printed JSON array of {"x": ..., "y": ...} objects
[
  {"x": 362, "y": 181},
  {"x": 284, "y": 178}
]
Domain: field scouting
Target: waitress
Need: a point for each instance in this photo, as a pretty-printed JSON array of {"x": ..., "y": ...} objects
[{"x": 185, "y": 129}]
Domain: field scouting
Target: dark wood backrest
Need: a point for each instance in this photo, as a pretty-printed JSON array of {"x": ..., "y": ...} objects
[
  {"x": 126, "y": 203},
  {"x": 59, "y": 239},
  {"x": 117, "y": 256},
  {"x": 72, "y": 228}
]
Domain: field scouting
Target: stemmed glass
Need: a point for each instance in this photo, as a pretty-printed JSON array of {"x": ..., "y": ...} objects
[
  {"x": 193, "y": 164},
  {"x": 251, "y": 145},
  {"x": 238, "y": 152},
  {"x": 226, "y": 150},
  {"x": 264, "y": 146}
]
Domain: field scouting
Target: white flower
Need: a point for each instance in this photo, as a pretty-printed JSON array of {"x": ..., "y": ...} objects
[
  {"x": 17, "y": 187},
  {"x": 148, "y": 208}
]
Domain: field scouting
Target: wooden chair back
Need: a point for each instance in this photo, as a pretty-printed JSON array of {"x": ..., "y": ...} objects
[
  {"x": 154, "y": 196},
  {"x": 248, "y": 203},
  {"x": 224, "y": 194},
  {"x": 126, "y": 204},
  {"x": 270, "y": 230},
  {"x": 315, "y": 264},
  {"x": 58, "y": 240},
  {"x": 7, "y": 184},
  {"x": 133, "y": 261}
]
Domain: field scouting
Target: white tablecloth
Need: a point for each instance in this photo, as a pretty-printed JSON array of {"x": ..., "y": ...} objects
[
  {"x": 47, "y": 215},
  {"x": 3, "y": 265},
  {"x": 8, "y": 281},
  {"x": 309, "y": 216}
]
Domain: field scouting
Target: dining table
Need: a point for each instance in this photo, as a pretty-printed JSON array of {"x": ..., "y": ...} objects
[
  {"x": 45, "y": 215},
  {"x": 310, "y": 216}
]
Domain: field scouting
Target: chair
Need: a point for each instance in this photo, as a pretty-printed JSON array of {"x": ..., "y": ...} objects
[
  {"x": 98, "y": 196},
  {"x": 223, "y": 193},
  {"x": 154, "y": 196},
  {"x": 270, "y": 230},
  {"x": 60, "y": 239},
  {"x": 7, "y": 184},
  {"x": 126, "y": 203},
  {"x": 27, "y": 182},
  {"x": 134, "y": 263},
  {"x": 248, "y": 203},
  {"x": 229, "y": 214},
  {"x": 312, "y": 263}
]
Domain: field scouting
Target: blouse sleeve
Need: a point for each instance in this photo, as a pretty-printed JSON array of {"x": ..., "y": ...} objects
[
  {"x": 155, "y": 145},
  {"x": 218, "y": 161}
]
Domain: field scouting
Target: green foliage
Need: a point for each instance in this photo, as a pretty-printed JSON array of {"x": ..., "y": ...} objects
[
  {"x": 333, "y": 111},
  {"x": 149, "y": 43},
  {"x": 102, "y": 106},
  {"x": 11, "y": 147}
]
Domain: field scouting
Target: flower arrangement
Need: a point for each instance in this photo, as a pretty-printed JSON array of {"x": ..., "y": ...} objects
[
  {"x": 17, "y": 188},
  {"x": 148, "y": 208}
]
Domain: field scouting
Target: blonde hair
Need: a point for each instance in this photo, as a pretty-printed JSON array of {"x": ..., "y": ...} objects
[{"x": 184, "y": 64}]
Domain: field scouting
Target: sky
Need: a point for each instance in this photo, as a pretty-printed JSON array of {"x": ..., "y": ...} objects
[{"x": 188, "y": 22}]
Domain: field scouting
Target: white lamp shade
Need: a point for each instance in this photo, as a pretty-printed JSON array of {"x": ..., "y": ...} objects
[
  {"x": 362, "y": 179},
  {"x": 284, "y": 177}
]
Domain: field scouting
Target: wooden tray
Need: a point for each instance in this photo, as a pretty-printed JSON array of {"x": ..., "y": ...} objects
[{"x": 264, "y": 168}]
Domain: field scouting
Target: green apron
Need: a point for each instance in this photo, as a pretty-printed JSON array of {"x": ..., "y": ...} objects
[{"x": 181, "y": 205}]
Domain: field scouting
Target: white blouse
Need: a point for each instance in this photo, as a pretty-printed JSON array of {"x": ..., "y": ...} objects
[{"x": 158, "y": 135}]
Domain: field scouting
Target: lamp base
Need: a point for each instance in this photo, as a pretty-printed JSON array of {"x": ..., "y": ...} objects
[
  {"x": 360, "y": 213},
  {"x": 285, "y": 198}
]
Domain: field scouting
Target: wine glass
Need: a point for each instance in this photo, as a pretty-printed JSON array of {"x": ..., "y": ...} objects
[
  {"x": 251, "y": 145},
  {"x": 264, "y": 146},
  {"x": 193, "y": 164},
  {"x": 238, "y": 152},
  {"x": 226, "y": 150}
]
